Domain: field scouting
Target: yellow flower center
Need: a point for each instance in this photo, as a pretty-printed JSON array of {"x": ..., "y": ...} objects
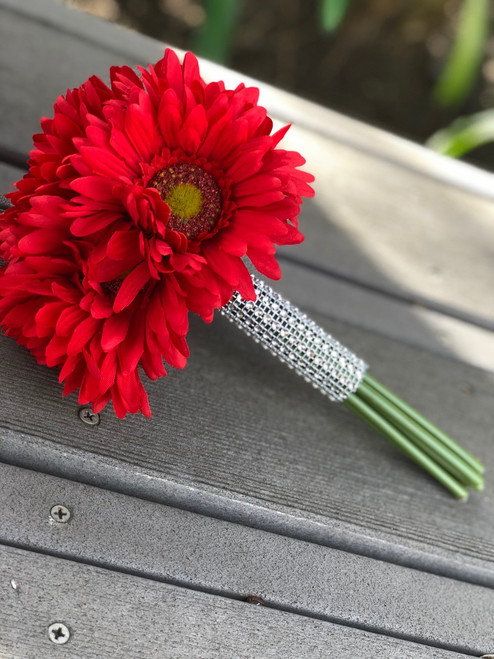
[
  {"x": 193, "y": 196},
  {"x": 185, "y": 200}
]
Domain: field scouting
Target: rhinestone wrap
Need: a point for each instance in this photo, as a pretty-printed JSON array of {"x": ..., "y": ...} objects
[{"x": 297, "y": 341}]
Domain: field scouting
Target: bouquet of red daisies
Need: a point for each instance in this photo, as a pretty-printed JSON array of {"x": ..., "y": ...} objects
[{"x": 142, "y": 201}]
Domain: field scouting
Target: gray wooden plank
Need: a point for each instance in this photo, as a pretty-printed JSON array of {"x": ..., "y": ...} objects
[
  {"x": 116, "y": 615},
  {"x": 387, "y": 212},
  {"x": 40, "y": 61},
  {"x": 271, "y": 452},
  {"x": 414, "y": 324},
  {"x": 325, "y": 507},
  {"x": 131, "y": 535},
  {"x": 396, "y": 229},
  {"x": 8, "y": 176},
  {"x": 319, "y": 489}
]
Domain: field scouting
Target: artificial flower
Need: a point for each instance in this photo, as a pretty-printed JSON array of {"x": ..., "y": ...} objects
[{"x": 141, "y": 201}]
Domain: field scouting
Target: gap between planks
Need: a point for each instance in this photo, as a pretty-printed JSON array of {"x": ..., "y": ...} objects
[
  {"x": 128, "y": 535},
  {"x": 119, "y": 615}
]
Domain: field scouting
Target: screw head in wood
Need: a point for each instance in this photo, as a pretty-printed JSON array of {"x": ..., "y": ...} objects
[
  {"x": 58, "y": 633},
  {"x": 89, "y": 417},
  {"x": 60, "y": 514}
]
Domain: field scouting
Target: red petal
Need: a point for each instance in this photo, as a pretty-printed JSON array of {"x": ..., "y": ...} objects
[
  {"x": 257, "y": 184},
  {"x": 68, "y": 320},
  {"x": 40, "y": 241},
  {"x": 220, "y": 262},
  {"x": 101, "y": 307},
  {"x": 100, "y": 402},
  {"x": 261, "y": 199},
  {"x": 48, "y": 315},
  {"x": 107, "y": 270},
  {"x": 131, "y": 287},
  {"x": 83, "y": 333},
  {"x": 141, "y": 130},
  {"x": 176, "y": 309},
  {"x": 131, "y": 349},
  {"x": 193, "y": 130},
  {"x": 115, "y": 330},
  {"x": 89, "y": 224},
  {"x": 265, "y": 263},
  {"x": 191, "y": 69},
  {"x": 280, "y": 134},
  {"x": 56, "y": 350},
  {"x": 246, "y": 165},
  {"x": 169, "y": 118},
  {"x": 123, "y": 244},
  {"x": 95, "y": 187},
  {"x": 92, "y": 365},
  {"x": 22, "y": 314},
  {"x": 245, "y": 284},
  {"x": 108, "y": 371},
  {"x": 259, "y": 222},
  {"x": 104, "y": 162},
  {"x": 173, "y": 71}
]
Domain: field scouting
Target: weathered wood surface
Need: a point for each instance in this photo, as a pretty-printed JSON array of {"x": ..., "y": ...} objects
[
  {"x": 296, "y": 474},
  {"x": 272, "y": 453},
  {"x": 232, "y": 560},
  {"x": 123, "y": 616},
  {"x": 266, "y": 451}
]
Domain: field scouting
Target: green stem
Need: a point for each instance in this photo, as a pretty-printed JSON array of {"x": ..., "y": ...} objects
[
  {"x": 421, "y": 438},
  {"x": 425, "y": 423},
  {"x": 397, "y": 438}
]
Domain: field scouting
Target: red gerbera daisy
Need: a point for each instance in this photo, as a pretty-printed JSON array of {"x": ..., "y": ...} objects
[{"x": 141, "y": 200}]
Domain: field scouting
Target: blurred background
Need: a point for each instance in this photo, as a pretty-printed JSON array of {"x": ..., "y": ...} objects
[{"x": 423, "y": 69}]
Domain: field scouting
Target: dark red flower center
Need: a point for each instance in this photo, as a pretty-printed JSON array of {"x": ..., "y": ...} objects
[{"x": 193, "y": 196}]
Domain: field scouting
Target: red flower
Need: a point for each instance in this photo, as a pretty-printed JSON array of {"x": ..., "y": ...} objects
[{"x": 140, "y": 202}]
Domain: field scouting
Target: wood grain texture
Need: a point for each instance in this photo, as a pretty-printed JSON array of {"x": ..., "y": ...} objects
[
  {"x": 293, "y": 474},
  {"x": 414, "y": 324},
  {"x": 235, "y": 435},
  {"x": 180, "y": 547},
  {"x": 115, "y": 615},
  {"x": 387, "y": 212},
  {"x": 397, "y": 229},
  {"x": 266, "y": 450}
]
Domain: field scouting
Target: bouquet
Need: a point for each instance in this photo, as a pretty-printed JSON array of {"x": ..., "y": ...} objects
[{"x": 142, "y": 202}]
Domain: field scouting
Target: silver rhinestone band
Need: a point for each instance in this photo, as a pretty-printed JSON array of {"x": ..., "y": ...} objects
[{"x": 298, "y": 341}]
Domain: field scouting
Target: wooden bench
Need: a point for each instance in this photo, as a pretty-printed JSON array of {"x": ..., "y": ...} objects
[{"x": 247, "y": 486}]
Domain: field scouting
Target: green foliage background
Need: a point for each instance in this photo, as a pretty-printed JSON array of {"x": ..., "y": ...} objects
[{"x": 419, "y": 68}]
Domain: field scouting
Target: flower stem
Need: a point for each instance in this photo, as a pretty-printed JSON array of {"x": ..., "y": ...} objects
[
  {"x": 425, "y": 423},
  {"x": 429, "y": 444},
  {"x": 390, "y": 432}
]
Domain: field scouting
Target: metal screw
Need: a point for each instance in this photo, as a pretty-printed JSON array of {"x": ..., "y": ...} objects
[
  {"x": 60, "y": 514},
  {"x": 58, "y": 633},
  {"x": 87, "y": 415}
]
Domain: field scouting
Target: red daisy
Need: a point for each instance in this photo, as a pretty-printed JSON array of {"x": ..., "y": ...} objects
[{"x": 140, "y": 203}]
